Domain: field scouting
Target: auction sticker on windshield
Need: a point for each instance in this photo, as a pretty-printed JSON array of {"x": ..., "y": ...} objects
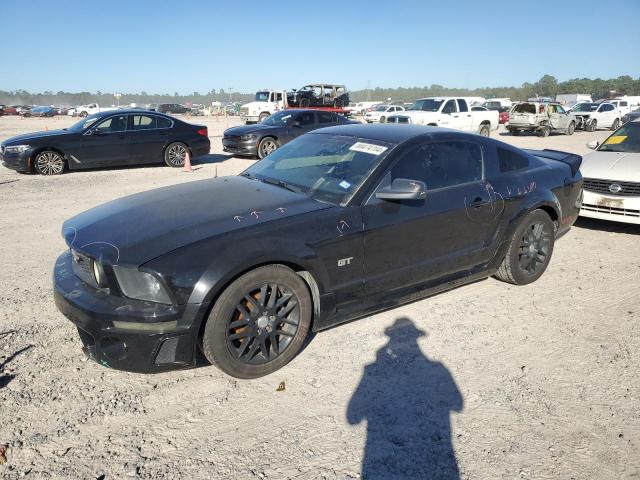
[
  {"x": 367, "y": 148},
  {"x": 615, "y": 140}
]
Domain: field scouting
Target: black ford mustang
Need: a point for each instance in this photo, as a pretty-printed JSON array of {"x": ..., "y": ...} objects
[
  {"x": 336, "y": 224},
  {"x": 263, "y": 138},
  {"x": 120, "y": 137}
]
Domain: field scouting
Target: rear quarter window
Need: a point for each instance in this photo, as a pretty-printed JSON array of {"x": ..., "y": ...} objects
[{"x": 511, "y": 161}]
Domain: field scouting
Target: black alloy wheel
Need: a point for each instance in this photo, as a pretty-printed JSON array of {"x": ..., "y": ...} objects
[
  {"x": 529, "y": 251},
  {"x": 259, "y": 323}
]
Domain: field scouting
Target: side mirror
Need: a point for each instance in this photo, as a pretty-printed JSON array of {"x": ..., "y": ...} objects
[
  {"x": 593, "y": 144},
  {"x": 403, "y": 189}
]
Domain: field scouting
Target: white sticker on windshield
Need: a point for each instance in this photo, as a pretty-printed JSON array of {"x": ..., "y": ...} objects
[
  {"x": 344, "y": 184},
  {"x": 367, "y": 148}
]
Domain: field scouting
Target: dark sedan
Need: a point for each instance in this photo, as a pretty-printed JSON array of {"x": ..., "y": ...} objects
[
  {"x": 338, "y": 223},
  {"x": 274, "y": 131},
  {"x": 122, "y": 137}
]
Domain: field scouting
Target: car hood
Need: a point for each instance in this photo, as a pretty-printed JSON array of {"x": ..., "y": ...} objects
[
  {"x": 20, "y": 139},
  {"x": 247, "y": 129},
  {"x": 135, "y": 229},
  {"x": 612, "y": 166}
]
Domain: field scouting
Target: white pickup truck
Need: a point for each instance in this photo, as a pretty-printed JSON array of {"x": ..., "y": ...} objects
[
  {"x": 448, "y": 112},
  {"x": 265, "y": 103},
  {"x": 90, "y": 109}
]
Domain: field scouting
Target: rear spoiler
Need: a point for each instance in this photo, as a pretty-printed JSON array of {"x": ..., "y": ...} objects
[{"x": 574, "y": 161}]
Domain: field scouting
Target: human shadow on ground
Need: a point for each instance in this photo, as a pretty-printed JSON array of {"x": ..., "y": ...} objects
[
  {"x": 406, "y": 399},
  {"x": 5, "y": 379}
]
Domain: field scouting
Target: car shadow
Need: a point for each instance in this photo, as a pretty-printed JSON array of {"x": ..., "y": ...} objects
[
  {"x": 607, "y": 226},
  {"x": 406, "y": 399},
  {"x": 5, "y": 379}
]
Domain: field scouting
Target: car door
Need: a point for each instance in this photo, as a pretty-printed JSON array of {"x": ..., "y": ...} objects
[
  {"x": 412, "y": 241},
  {"x": 558, "y": 118},
  {"x": 606, "y": 115},
  {"x": 449, "y": 115},
  {"x": 464, "y": 119},
  {"x": 106, "y": 143},
  {"x": 147, "y": 140}
]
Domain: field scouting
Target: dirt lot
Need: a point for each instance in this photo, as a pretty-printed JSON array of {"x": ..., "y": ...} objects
[{"x": 535, "y": 382}]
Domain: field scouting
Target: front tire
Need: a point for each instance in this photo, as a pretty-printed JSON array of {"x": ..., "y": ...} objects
[
  {"x": 267, "y": 146},
  {"x": 83, "y": 114},
  {"x": 530, "y": 250},
  {"x": 591, "y": 126},
  {"x": 615, "y": 125},
  {"x": 49, "y": 162},
  {"x": 571, "y": 128},
  {"x": 263, "y": 116},
  {"x": 259, "y": 323},
  {"x": 544, "y": 131},
  {"x": 175, "y": 154}
]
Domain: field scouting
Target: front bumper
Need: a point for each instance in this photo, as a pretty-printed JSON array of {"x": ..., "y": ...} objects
[
  {"x": 20, "y": 162},
  {"x": 249, "y": 118},
  {"x": 156, "y": 337},
  {"x": 240, "y": 147},
  {"x": 610, "y": 207}
]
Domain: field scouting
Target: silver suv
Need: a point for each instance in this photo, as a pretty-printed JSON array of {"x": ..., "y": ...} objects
[{"x": 539, "y": 117}]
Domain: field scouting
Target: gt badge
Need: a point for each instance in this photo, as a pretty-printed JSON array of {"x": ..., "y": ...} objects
[{"x": 344, "y": 261}]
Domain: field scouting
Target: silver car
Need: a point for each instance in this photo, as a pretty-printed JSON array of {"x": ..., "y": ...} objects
[{"x": 539, "y": 117}]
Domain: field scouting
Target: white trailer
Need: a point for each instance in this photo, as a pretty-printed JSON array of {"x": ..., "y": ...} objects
[{"x": 568, "y": 100}]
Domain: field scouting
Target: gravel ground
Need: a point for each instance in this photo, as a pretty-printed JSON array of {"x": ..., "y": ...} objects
[{"x": 488, "y": 381}]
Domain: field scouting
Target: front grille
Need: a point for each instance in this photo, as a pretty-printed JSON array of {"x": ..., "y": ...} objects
[
  {"x": 232, "y": 138},
  {"x": 244, "y": 111},
  {"x": 626, "y": 212},
  {"x": 398, "y": 119},
  {"x": 628, "y": 189}
]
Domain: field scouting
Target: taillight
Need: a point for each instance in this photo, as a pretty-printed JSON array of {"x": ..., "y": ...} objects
[{"x": 203, "y": 131}]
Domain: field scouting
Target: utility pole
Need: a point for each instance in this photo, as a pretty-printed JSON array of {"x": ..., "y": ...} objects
[{"x": 368, "y": 90}]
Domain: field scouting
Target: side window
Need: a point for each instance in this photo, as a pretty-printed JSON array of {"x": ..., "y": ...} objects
[
  {"x": 511, "y": 161},
  {"x": 606, "y": 108},
  {"x": 113, "y": 124},
  {"x": 143, "y": 122},
  {"x": 624, "y": 104},
  {"x": 278, "y": 97},
  {"x": 462, "y": 105},
  {"x": 449, "y": 107},
  {"x": 305, "y": 118},
  {"x": 441, "y": 164},
  {"x": 325, "y": 118},
  {"x": 163, "y": 122},
  {"x": 559, "y": 109}
]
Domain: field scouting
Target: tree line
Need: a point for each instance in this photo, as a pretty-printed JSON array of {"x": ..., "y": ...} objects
[{"x": 547, "y": 86}]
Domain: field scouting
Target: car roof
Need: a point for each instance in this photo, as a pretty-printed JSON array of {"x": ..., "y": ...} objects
[
  {"x": 131, "y": 110},
  {"x": 383, "y": 132}
]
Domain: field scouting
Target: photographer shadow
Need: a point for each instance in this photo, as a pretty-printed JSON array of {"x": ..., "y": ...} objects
[{"x": 406, "y": 399}]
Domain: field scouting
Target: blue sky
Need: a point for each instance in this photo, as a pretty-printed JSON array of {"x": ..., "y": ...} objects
[{"x": 196, "y": 45}]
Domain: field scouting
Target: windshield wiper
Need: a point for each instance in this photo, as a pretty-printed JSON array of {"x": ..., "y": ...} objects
[{"x": 282, "y": 184}]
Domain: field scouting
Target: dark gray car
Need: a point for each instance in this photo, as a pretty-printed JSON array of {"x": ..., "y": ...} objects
[{"x": 263, "y": 138}]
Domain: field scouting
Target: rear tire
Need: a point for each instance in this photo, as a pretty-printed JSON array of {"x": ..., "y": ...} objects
[
  {"x": 615, "y": 125},
  {"x": 544, "y": 131},
  {"x": 175, "y": 154},
  {"x": 485, "y": 131},
  {"x": 83, "y": 114},
  {"x": 259, "y": 322},
  {"x": 529, "y": 251}
]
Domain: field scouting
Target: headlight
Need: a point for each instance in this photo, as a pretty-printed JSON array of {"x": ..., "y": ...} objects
[
  {"x": 16, "y": 148},
  {"x": 98, "y": 273},
  {"x": 141, "y": 285},
  {"x": 247, "y": 137}
]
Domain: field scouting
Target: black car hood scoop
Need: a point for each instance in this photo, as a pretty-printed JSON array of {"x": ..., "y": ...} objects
[{"x": 133, "y": 230}]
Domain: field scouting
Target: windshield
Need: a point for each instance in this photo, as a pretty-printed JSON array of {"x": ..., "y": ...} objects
[
  {"x": 84, "y": 123},
  {"x": 585, "y": 107},
  {"x": 328, "y": 168},
  {"x": 492, "y": 105},
  {"x": 426, "y": 105},
  {"x": 278, "y": 119},
  {"x": 262, "y": 96},
  {"x": 626, "y": 139},
  {"x": 381, "y": 108}
]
